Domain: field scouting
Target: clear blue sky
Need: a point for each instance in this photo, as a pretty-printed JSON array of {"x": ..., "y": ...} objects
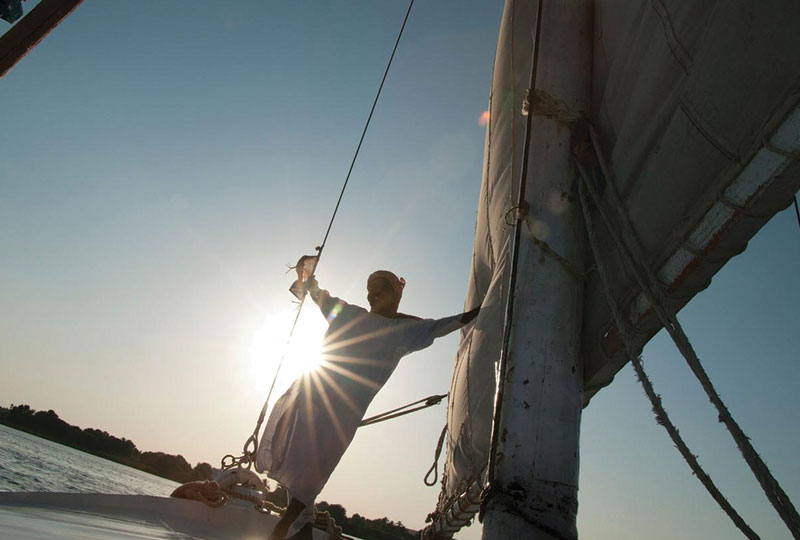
[{"x": 162, "y": 162}]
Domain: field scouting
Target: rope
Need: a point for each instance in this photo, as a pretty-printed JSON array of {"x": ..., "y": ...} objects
[
  {"x": 633, "y": 256},
  {"x": 564, "y": 262},
  {"x": 366, "y": 126},
  {"x": 509, "y": 314},
  {"x": 435, "y": 467},
  {"x": 248, "y": 454},
  {"x": 247, "y": 458},
  {"x": 388, "y": 415},
  {"x": 324, "y": 520},
  {"x": 623, "y": 327},
  {"x": 522, "y": 210}
]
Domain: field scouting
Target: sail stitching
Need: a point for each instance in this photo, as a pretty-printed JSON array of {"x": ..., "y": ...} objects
[
  {"x": 706, "y": 131},
  {"x": 489, "y": 190},
  {"x": 679, "y": 52}
]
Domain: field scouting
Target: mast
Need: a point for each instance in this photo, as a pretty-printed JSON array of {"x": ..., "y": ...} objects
[{"x": 533, "y": 469}]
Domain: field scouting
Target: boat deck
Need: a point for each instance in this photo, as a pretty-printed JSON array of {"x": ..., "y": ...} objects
[{"x": 95, "y": 516}]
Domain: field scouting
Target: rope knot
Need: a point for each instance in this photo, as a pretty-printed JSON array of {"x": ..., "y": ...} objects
[{"x": 521, "y": 210}]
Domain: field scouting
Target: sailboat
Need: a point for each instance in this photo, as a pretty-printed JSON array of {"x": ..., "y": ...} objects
[{"x": 682, "y": 121}]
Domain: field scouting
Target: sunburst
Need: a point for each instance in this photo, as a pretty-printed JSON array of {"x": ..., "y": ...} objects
[{"x": 300, "y": 356}]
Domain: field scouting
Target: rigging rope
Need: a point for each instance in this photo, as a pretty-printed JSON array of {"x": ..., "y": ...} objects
[
  {"x": 623, "y": 327},
  {"x": 251, "y": 445},
  {"x": 388, "y": 415},
  {"x": 434, "y": 470},
  {"x": 366, "y": 126},
  {"x": 627, "y": 243}
]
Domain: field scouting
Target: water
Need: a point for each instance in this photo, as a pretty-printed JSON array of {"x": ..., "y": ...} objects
[{"x": 28, "y": 463}]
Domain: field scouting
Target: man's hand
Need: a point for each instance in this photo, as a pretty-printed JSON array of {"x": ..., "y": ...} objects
[
  {"x": 469, "y": 315},
  {"x": 311, "y": 284},
  {"x": 317, "y": 295}
]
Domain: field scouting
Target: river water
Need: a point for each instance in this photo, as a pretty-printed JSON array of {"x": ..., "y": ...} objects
[{"x": 28, "y": 463}]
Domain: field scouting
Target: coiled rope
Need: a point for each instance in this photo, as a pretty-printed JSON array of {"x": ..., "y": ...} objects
[
  {"x": 251, "y": 444},
  {"x": 628, "y": 246}
]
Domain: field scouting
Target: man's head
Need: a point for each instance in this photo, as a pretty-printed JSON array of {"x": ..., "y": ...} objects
[{"x": 384, "y": 290}]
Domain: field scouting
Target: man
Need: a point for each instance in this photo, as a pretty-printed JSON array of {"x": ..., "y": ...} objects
[{"x": 313, "y": 423}]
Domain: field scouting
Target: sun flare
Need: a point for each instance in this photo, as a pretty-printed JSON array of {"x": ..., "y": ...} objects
[{"x": 300, "y": 356}]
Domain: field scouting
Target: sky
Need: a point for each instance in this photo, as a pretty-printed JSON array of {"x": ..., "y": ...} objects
[{"x": 162, "y": 163}]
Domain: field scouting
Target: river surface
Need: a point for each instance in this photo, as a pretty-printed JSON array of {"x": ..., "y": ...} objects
[{"x": 29, "y": 463}]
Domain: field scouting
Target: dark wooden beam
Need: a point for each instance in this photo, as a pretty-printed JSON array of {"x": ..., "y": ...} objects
[{"x": 23, "y": 36}]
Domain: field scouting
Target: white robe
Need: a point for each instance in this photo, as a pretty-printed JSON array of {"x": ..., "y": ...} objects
[{"x": 314, "y": 421}]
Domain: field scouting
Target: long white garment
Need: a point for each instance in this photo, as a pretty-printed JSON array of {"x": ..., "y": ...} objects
[{"x": 314, "y": 421}]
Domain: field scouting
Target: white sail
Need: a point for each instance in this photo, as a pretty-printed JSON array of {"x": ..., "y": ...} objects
[{"x": 696, "y": 104}]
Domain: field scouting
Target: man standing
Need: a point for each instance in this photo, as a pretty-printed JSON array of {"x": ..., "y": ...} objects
[{"x": 313, "y": 422}]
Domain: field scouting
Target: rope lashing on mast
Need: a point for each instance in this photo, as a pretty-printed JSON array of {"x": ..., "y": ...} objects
[
  {"x": 520, "y": 212},
  {"x": 627, "y": 243},
  {"x": 251, "y": 444}
]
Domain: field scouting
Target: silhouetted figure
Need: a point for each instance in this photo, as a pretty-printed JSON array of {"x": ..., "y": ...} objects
[{"x": 314, "y": 421}]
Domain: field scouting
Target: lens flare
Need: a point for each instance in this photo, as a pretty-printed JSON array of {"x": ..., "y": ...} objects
[{"x": 300, "y": 356}]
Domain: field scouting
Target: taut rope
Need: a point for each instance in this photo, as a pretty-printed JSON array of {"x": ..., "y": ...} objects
[
  {"x": 251, "y": 444},
  {"x": 623, "y": 327},
  {"x": 628, "y": 246}
]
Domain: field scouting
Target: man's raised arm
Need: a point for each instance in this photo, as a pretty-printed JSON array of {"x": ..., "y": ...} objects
[{"x": 321, "y": 297}]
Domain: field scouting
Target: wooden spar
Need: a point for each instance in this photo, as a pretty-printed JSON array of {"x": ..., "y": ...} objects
[
  {"x": 28, "y": 32},
  {"x": 534, "y": 472}
]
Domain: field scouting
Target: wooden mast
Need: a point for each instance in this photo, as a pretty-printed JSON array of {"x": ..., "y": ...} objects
[{"x": 534, "y": 469}]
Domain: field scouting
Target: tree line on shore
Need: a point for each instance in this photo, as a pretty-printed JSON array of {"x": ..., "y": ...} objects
[{"x": 48, "y": 425}]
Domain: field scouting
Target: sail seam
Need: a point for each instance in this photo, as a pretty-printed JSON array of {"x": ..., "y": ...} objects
[
  {"x": 706, "y": 132},
  {"x": 679, "y": 52}
]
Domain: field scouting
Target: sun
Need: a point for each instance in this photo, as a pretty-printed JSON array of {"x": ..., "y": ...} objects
[{"x": 302, "y": 355}]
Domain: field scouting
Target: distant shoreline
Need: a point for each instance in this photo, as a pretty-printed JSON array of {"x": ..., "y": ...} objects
[
  {"x": 47, "y": 425},
  {"x": 97, "y": 455}
]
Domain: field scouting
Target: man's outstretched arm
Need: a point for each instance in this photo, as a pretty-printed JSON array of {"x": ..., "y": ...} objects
[
  {"x": 422, "y": 333},
  {"x": 469, "y": 315}
]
